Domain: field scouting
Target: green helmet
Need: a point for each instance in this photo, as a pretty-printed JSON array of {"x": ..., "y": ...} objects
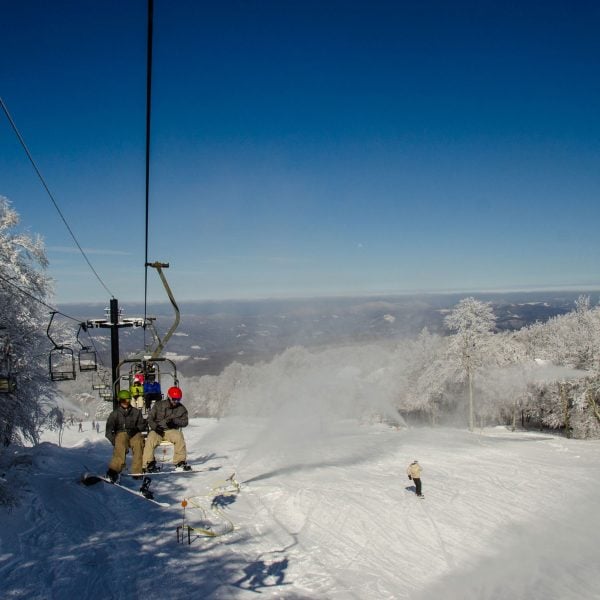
[{"x": 124, "y": 395}]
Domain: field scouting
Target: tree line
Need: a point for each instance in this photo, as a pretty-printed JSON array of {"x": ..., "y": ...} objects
[{"x": 541, "y": 376}]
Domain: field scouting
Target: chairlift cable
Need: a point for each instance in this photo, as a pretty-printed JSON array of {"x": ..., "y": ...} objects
[
  {"x": 20, "y": 289},
  {"x": 22, "y": 141},
  {"x": 148, "y": 121}
]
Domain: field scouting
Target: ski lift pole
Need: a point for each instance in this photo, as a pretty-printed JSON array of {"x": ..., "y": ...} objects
[
  {"x": 162, "y": 343},
  {"x": 114, "y": 347},
  {"x": 183, "y": 527}
]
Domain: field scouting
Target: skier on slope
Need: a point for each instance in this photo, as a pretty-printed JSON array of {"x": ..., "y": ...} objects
[
  {"x": 414, "y": 472},
  {"x": 165, "y": 420},
  {"x": 123, "y": 430}
]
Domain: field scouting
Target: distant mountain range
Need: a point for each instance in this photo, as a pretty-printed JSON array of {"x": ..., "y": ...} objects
[{"x": 211, "y": 335}]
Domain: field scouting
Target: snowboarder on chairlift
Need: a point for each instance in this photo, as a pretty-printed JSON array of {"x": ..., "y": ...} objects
[
  {"x": 137, "y": 391},
  {"x": 414, "y": 473},
  {"x": 152, "y": 391},
  {"x": 124, "y": 428},
  {"x": 165, "y": 420}
]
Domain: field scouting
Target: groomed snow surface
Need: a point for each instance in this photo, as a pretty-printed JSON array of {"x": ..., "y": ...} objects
[{"x": 324, "y": 512}]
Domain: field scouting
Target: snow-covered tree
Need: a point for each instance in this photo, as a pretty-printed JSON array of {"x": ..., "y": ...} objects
[
  {"x": 473, "y": 321},
  {"x": 425, "y": 374},
  {"x": 22, "y": 318}
]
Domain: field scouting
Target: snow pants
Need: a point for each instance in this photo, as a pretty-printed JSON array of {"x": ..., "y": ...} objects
[
  {"x": 122, "y": 443},
  {"x": 171, "y": 435},
  {"x": 138, "y": 402},
  {"x": 417, "y": 482}
]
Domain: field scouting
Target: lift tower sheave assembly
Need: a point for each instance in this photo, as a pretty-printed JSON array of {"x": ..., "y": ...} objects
[{"x": 114, "y": 323}]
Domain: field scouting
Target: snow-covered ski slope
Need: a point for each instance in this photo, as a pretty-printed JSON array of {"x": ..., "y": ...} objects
[{"x": 322, "y": 514}]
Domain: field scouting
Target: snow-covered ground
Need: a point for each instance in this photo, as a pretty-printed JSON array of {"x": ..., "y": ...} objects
[{"x": 324, "y": 512}]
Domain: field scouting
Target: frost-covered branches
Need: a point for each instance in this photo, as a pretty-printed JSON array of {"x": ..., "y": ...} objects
[
  {"x": 545, "y": 375},
  {"x": 473, "y": 321},
  {"x": 22, "y": 318}
]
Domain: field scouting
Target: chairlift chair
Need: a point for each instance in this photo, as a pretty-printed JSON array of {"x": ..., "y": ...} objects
[
  {"x": 106, "y": 394},
  {"x": 61, "y": 360},
  {"x": 87, "y": 355},
  {"x": 62, "y": 364},
  {"x": 150, "y": 369},
  {"x": 8, "y": 385},
  {"x": 87, "y": 359},
  {"x": 8, "y": 382}
]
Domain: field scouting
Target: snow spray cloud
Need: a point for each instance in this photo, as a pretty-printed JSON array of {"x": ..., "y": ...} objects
[
  {"x": 505, "y": 385},
  {"x": 307, "y": 398},
  {"x": 516, "y": 378}
]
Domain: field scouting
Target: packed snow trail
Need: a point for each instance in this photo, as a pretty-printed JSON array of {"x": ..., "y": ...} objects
[{"x": 507, "y": 515}]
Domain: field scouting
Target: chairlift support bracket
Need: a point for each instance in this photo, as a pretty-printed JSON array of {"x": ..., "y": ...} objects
[{"x": 162, "y": 343}]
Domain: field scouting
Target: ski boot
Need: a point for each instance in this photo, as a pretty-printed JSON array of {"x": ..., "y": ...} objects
[
  {"x": 151, "y": 467},
  {"x": 112, "y": 476},
  {"x": 145, "y": 489}
]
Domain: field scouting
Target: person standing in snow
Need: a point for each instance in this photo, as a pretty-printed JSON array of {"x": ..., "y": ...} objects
[
  {"x": 80, "y": 426},
  {"x": 414, "y": 473},
  {"x": 166, "y": 418},
  {"x": 124, "y": 428}
]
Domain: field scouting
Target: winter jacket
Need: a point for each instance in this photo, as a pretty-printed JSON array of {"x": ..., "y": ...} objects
[
  {"x": 136, "y": 390},
  {"x": 162, "y": 412},
  {"x": 151, "y": 387},
  {"x": 124, "y": 419},
  {"x": 414, "y": 470}
]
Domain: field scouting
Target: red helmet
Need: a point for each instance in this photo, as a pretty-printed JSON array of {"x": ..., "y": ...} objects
[{"x": 174, "y": 393}]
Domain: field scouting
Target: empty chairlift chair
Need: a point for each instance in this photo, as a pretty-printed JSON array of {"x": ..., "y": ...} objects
[
  {"x": 61, "y": 360},
  {"x": 87, "y": 356},
  {"x": 62, "y": 364},
  {"x": 8, "y": 382}
]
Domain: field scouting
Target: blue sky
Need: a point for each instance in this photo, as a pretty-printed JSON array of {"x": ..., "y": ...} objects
[{"x": 308, "y": 148}]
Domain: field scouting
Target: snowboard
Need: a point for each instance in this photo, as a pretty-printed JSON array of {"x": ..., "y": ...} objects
[
  {"x": 167, "y": 472},
  {"x": 92, "y": 478}
]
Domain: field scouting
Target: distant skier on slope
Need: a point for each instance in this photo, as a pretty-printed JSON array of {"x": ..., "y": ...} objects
[
  {"x": 123, "y": 430},
  {"x": 165, "y": 419},
  {"x": 414, "y": 472}
]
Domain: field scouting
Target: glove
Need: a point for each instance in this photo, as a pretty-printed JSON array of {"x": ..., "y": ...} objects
[
  {"x": 409, "y": 477},
  {"x": 160, "y": 430},
  {"x": 171, "y": 424},
  {"x": 131, "y": 432}
]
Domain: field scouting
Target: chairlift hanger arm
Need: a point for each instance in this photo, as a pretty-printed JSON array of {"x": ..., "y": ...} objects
[
  {"x": 56, "y": 346},
  {"x": 162, "y": 343},
  {"x": 84, "y": 327}
]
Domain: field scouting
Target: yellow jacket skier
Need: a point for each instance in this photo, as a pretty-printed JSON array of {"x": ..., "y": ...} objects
[{"x": 414, "y": 472}]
